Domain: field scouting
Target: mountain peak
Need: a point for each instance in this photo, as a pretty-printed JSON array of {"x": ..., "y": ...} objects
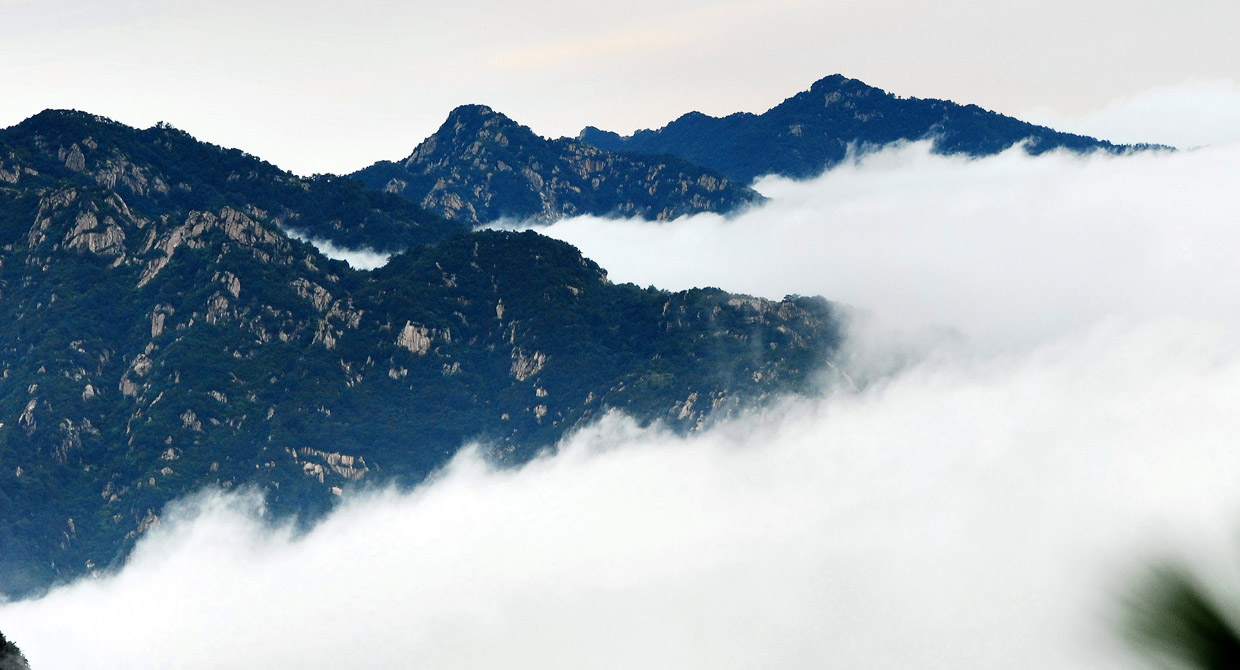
[
  {"x": 69, "y": 115},
  {"x": 467, "y": 130},
  {"x": 468, "y": 125},
  {"x": 830, "y": 81},
  {"x": 66, "y": 119},
  {"x": 692, "y": 116},
  {"x": 838, "y": 83},
  {"x": 591, "y": 135},
  {"x": 482, "y": 166},
  {"x": 833, "y": 81},
  {"x": 470, "y": 119},
  {"x": 471, "y": 112}
]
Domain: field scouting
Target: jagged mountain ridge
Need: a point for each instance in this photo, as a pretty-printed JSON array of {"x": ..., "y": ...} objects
[
  {"x": 151, "y": 345},
  {"x": 481, "y": 166},
  {"x": 814, "y": 130},
  {"x": 165, "y": 169}
]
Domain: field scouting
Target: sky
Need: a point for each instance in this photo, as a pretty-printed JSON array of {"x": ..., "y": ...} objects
[{"x": 333, "y": 86}]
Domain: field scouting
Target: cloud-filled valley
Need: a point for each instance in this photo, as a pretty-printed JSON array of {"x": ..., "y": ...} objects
[
  {"x": 1008, "y": 250},
  {"x": 1068, "y": 416}
]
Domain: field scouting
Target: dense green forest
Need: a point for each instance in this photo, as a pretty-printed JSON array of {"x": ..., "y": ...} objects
[{"x": 159, "y": 333}]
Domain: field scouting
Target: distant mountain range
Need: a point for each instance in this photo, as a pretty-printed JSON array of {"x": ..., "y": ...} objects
[
  {"x": 814, "y": 130},
  {"x": 481, "y": 166},
  {"x": 160, "y": 333}
]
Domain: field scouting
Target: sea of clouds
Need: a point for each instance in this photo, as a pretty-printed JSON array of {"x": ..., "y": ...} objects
[{"x": 1063, "y": 412}]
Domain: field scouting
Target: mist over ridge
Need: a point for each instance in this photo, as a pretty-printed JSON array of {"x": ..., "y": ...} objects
[{"x": 1008, "y": 250}]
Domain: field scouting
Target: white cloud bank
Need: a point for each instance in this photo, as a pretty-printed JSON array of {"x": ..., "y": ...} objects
[
  {"x": 1009, "y": 250},
  {"x": 1192, "y": 114},
  {"x": 981, "y": 509}
]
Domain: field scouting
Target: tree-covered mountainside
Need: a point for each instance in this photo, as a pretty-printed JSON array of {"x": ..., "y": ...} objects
[
  {"x": 159, "y": 333},
  {"x": 481, "y": 166},
  {"x": 167, "y": 172},
  {"x": 11, "y": 658},
  {"x": 813, "y": 130}
]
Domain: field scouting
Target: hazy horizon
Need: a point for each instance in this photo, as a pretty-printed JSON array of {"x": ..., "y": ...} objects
[{"x": 327, "y": 87}]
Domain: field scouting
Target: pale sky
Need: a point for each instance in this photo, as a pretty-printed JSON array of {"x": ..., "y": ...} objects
[{"x": 332, "y": 87}]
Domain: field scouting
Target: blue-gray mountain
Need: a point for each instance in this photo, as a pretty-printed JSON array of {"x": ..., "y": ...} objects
[
  {"x": 814, "y": 130},
  {"x": 165, "y": 170},
  {"x": 481, "y": 166},
  {"x": 159, "y": 333}
]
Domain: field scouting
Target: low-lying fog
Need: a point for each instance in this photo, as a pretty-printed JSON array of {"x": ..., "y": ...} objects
[
  {"x": 1070, "y": 416},
  {"x": 359, "y": 259}
]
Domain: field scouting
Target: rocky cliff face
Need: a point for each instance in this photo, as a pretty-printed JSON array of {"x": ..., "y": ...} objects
[
  {"x": 813, "y": 130},
  {"x": 156, "y": 339},
  {"x": 481, "y": 167}
]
